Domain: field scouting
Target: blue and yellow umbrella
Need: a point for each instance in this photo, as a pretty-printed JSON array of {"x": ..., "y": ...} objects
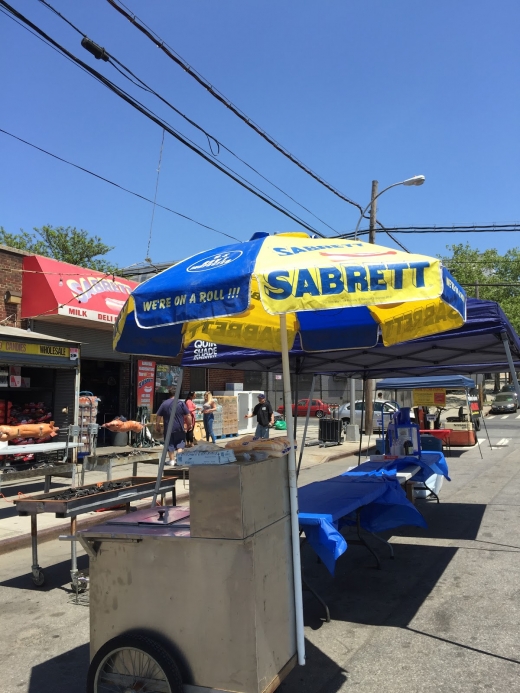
[{"x": 335, "y": 293}]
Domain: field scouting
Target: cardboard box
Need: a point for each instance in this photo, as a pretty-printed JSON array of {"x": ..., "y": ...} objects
[{"x": 190, "y": 457}]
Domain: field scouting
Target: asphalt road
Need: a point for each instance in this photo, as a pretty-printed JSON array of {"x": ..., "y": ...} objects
[
  {"x": 442, "y": 617},
  {"x": 503, "y": 428}
]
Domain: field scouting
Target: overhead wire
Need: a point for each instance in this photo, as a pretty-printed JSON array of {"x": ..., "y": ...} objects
[
  {"x": 137, "y": 105},
  {"x": 116, "y": 185},
  {"x": 147, "y": 258},
  {"x": 477, "y": 228},
  {"x": 138, "y": 82},
  {"x": 173, "y": 55}
]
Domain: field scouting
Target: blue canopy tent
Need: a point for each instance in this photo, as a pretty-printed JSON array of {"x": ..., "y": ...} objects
[
  {"x": 487, "y": 342},
  {"x": 448, "y": 382}
]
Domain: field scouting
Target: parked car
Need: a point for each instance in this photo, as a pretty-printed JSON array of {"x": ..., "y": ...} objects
[
  {"x": 318, "y": 408},
  {"x": 381, "y": 409},
  {"x": 504, "y": 403},
  {"x": 509, "y": 389}
]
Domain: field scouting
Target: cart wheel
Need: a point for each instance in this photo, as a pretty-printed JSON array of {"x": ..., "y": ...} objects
[
  {"x": 38, "y": 578},
  {"x": 133, "y": 663},
  {"x": 80, "y": 587}
]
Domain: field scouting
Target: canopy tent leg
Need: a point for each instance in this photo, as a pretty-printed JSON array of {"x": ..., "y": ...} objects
[
  {"x": 487, "y": 432},
  {"x": 307, "y": 417},
  {"x": 510, "y": 362},
  {"x": 296, "y": 395},
  {"x": 293, "y": 495},
  {"x": 474, "y": 427},
  {"x": 167, "y": 435},
  {"x": 352, "y": 418}
]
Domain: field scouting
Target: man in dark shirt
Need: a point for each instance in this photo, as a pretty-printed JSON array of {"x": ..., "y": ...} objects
[
  {"x": 264, "y": 416},
  {"x": 181, "y": 423}
]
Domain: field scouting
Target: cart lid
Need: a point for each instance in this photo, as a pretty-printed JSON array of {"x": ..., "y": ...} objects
[{"x": 159, "y": 516}]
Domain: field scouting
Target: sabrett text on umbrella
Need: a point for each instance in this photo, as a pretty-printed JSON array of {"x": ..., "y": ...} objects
[
  {"x": 295, "y": 250},
  {"x": 349, "y": 278}
]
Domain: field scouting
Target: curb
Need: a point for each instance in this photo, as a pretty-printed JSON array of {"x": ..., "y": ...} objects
[{"x": 23, "y": 541}]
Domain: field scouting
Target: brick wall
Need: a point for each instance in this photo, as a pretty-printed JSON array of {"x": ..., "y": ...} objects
[
  {"x": 218, "y": 377},
  {"x": 10, "y": 280}
]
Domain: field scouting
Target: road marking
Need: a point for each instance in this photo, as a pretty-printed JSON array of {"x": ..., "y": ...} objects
[
  {"x": 505, "y": 417},
  {"x": 518, "y": 417},
  {"x": 492, "y": 417},
  {"x": 502, "y": 443}
]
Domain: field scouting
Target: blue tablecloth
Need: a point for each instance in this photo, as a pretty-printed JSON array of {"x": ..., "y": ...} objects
[
  {"x": 430, "y": 463},
  {"x": 326, "y": 506}
]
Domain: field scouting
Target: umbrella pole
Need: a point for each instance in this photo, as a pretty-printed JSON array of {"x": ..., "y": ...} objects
[
  {"x": 167, "y": 435},
  {"x": 293, "y": 496}
]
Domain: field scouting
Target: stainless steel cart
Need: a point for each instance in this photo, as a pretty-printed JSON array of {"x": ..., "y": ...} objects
[
  {"x": 197, "y": 600},
  {"x": 87, "y": 499}
]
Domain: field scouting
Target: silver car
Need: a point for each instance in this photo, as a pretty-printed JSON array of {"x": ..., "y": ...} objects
[
  {"x": 504, "y": 403},
  {"x": 381, "y": 409}
]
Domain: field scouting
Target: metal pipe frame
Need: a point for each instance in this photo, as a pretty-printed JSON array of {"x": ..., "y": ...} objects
[{"x": 293, "y": 495}]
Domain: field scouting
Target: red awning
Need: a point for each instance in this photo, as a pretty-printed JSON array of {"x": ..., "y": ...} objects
[{"x": 50, "y": 287}]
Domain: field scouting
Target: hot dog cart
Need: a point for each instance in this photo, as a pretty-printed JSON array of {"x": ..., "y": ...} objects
[{"x": 197, "y": 599}]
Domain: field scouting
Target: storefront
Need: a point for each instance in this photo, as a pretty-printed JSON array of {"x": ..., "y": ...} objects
[
  {"x": 82, "y": 305},
  {"x": 39, "y": 379}
]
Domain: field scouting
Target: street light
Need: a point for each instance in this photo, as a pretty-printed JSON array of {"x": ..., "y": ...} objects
[
  {"x": 415, "y": 180},
  {"x": 369, "y": 384}
]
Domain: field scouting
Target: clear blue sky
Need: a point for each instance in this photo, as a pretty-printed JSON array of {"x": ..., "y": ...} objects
[{"x": 357, "y": 90}]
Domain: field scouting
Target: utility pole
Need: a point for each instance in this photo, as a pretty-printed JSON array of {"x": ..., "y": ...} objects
[{"x": 370, "y": 383}]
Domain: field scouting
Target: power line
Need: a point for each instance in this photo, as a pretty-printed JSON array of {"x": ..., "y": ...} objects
[
  {"x": 477, "y": 228},
  {"x": 163, "y": 124},
  {"x": 154, "y": 199},
  {"x": 116, "y": 185},
  {"x": 160, "y": 43},
  {"x": 101, "y": 53},
  {"x": 480, "y": 284}
]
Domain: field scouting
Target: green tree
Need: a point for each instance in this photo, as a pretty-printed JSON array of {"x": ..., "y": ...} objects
[
  {"x": 66, "y": 244},
  {"x": 486, "y": 268}
]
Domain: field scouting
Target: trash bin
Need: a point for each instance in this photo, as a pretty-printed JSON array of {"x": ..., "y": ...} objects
[
  {"x": 330, "y": 431},
  {"x": 119, "y": 439}
]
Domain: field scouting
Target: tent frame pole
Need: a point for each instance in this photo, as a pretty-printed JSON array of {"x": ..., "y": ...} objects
[
  {"x": 363, "y": 415},
  {"x": 507, "y": 349},
  {"x": 293, "y": 496},
  {"x": 307, "y": 417},
  {"x": 167, "y": 435}
]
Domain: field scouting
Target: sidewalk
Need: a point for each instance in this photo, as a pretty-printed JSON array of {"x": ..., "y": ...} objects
[{"x": 15, "y": 530}]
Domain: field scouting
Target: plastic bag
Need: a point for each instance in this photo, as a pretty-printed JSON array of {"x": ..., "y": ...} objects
[{"x": 280, "y": 425}]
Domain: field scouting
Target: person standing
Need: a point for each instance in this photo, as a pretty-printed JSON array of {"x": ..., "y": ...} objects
[
  {"x": 208, "y": 414},
  {"x": 190, "y": 441},
  {"x": 264, "y": 416},
  {"x": 181, "y": 423}
]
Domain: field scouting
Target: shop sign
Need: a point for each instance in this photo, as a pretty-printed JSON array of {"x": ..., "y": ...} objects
[
  {"x": 429, "y": 397},
  {"x": 166, "y": 376},
  {"x": 24, "y": 348},
  {"x": 145, "y": 383},
  {"x": 50, "y": 286}
]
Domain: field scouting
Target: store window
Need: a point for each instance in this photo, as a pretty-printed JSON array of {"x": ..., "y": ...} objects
[{"x": 102, "y": 379}]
